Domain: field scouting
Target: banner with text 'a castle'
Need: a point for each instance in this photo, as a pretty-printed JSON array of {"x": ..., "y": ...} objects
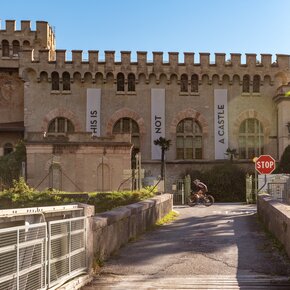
[
  {"x": 221, "y": 123},
  {"x": 157, "y": 120},
  {"x": 93, "y": 112}
]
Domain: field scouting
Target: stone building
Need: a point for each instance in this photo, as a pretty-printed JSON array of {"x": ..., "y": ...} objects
[{"x": 80, "y": 115}]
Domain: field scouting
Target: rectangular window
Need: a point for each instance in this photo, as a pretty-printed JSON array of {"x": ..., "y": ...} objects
[
  {"x": 61, "y": 125},
  {"x": 179, "y": 148},
  {"x": 242, "y": 147},
  {"x": 188, "y": 147},
  {"x": 126, "y": 126},
  {"x": 179, "y": 153},
  {"x": 198, "y": 153}
]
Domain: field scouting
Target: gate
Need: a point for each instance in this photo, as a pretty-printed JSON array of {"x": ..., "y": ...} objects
[
  {"x": 66, "y": 250},
  {"x": 43, "y": 255},
  {"x": 250, "y": 189},
  {"x": 23, "y": 257},
  {"x": 178, "y": 195},
  {"x": 182, "y": 190},
  {"x": 278, "y": 190}
]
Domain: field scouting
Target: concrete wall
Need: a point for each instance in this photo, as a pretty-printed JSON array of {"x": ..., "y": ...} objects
[
  {"x": 276, "y": 218},
  {"x": 115, "y": 228}
]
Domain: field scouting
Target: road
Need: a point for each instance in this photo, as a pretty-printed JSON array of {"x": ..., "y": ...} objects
[{"x": 219, "y": 247}]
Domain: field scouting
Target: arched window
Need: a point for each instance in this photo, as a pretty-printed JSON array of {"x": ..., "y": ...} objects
[
  {"x": 43, "y": 76},
  {"x": 131, "y": 82},
  {"x": 8, "y": 148},
  {"x": 256, "y": 84},
  {"x": 194, "y": 83},
  {"x": 120, "y": 82},
  {"x": 60, "y": 125},
  {"x": 5, "y": 48},
  {"x": 184, "y": 83},
  {"x": 188, "y": 140},
  {"x": 15, "y": 47},
  {"x": 246, "y": 84},
  {"x": 26, "y": 43},
  {"x": 66, "y": 81},
  {"x": 129, "y": 126},
  {"x": 251, "y": 139},
  {"x": 55, "y": 81}
]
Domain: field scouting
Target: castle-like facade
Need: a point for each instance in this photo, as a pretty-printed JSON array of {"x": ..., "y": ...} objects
[{"x": 83, "y": 121}]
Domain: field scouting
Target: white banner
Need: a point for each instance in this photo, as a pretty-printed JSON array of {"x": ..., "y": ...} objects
[
  {"x": 93, "y": 111},
  {"x": 221, "y": 123},
  {"x": 157, "y": 120}
]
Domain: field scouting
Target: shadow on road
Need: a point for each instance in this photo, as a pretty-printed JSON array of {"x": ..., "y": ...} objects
[{"x": 219, "y": 240}]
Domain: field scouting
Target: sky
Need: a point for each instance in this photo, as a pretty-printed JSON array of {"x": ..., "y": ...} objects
[{"x": 214, "y": 26}]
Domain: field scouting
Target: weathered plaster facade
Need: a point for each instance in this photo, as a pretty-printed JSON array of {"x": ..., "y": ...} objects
[{"x": 189, "y": 88}]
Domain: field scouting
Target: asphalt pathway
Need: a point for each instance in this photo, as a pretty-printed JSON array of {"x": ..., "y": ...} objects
[{"x": 219, "y": 247}]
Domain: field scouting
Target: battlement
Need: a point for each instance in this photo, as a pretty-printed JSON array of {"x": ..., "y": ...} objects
[
  {"x": 235, "y": 60},
  {"x": 41, "y": 27},
  {"x": 42, "y": 37},
  {"x": 38, "y": 46}
]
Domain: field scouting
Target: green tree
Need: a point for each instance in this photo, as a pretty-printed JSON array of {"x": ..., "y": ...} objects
[
  {"x": 11, "y": 164},
  {"x": 284, "y": 165},
  {"x": 164, "y": 145}
]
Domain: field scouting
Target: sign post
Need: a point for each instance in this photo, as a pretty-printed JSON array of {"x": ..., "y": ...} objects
[{"x": 264, "y": 164}]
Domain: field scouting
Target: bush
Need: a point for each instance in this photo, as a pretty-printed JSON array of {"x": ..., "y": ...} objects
[
  {"x": 226, "y": 182},
  {"x": 11, "y": 164},
  {"x": 21, "y": 195},
  {"x": 284, "y": 165}
]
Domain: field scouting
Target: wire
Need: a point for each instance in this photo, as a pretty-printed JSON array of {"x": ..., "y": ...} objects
[
  {"x": 41, "y": 181},
  {"x": 72, "y": 182}
]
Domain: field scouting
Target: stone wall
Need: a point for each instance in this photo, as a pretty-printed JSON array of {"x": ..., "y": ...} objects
[
  {"x": 115, "y": 228},
  {"x": 82, "y": 166},
  {"x": 276, "y": 218}
]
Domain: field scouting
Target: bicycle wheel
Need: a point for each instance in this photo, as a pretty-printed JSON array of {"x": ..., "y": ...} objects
[
  {"x": 192, "y": 201},
  {"x": 208, "y": 200}
]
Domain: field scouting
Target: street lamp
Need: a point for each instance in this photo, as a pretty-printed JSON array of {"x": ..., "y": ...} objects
[{"x": 103, "y": 177}]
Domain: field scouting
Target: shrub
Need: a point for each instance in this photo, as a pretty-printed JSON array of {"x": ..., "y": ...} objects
[
  {"x": 21, "y": 195},
  {"x": 284, "y": 165},
  {"x": 226, "y": 182},
  {"x": 10, "y": 165}
]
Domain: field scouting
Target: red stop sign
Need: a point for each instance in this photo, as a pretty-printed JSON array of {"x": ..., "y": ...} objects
[{"x": 265, "y": 164}]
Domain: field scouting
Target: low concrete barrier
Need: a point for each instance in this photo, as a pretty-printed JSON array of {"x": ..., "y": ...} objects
[
  {"x": 115, "y": 228},
  {"x": 276, "y": 218}
]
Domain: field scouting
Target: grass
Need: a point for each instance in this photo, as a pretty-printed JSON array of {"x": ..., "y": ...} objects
[{"x": 170, "y": 217}]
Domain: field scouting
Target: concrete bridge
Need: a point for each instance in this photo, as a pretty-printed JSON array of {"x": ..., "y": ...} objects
[{"x": 223, "y": 246}]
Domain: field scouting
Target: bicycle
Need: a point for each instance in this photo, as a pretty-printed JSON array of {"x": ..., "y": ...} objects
[{"x": 205, "y": 199}]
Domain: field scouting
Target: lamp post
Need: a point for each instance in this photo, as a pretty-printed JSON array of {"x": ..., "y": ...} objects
[
  {"x": 103, "y": 176},
  {"x": 256, "y": 179}
]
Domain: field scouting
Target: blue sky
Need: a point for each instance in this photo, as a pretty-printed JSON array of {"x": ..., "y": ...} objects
[{"x": 228, "y": 26}]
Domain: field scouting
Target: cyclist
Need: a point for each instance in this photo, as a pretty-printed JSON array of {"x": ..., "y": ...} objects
[{"x": 202, "y": 188}]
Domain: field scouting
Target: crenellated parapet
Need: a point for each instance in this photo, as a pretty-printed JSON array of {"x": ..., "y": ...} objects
[
  {"x": 219, "y": 70},
  {"x": 13, "y": 40},
  {"x": 265, "y": 61},
  {"x": 35, "y": 50}
]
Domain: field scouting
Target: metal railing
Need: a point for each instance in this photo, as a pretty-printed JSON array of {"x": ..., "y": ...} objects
[
  {"x": 279, "y": 191},
  {"x": 66, "y": 249},
  {"x": 178, "y": 196},
  {"x": 43, "y": 255},
  {"x": 23, "y": 257}
]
